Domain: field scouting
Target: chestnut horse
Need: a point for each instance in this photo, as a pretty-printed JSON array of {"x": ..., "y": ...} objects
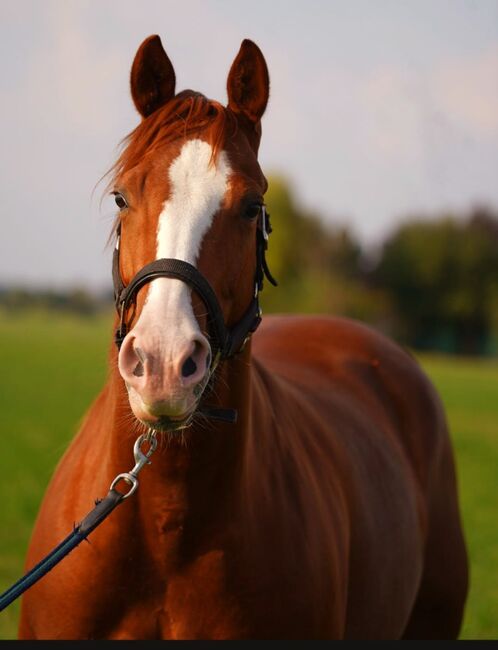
[{"x": 329, "y": 510}]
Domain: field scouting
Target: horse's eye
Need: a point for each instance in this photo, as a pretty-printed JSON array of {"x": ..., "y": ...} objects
[
  {"x": 120, "y": 200},
  {"x": 252, "y": 211}
]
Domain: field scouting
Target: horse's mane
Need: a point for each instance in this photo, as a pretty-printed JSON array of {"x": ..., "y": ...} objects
[{"x": 187, "y": 113}]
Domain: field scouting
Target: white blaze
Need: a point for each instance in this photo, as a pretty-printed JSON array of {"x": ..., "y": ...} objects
[{"x": 197, "y": 189}]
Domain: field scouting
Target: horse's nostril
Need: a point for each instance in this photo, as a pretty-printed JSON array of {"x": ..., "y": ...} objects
[
  {"x": 139, "y": 370},
  {"x": 189, "y": 367}
]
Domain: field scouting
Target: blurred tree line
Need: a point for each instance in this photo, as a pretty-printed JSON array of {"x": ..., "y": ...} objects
[
  {"x": 77, "y": 300},
  {"x": 432, "y": 285}
]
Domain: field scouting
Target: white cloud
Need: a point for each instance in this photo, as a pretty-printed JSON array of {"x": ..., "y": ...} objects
[
  {"x": 391, "y": 98},
  {"x": 467, "y": 91}
]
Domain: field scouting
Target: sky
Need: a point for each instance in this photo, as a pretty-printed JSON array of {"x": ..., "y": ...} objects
[{"x": 379, "y": 109}]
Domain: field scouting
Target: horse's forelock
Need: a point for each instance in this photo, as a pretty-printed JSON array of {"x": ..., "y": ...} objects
[{"x": 188, "y": 114}]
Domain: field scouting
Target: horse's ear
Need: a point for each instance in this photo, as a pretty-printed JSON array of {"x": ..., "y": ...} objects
[
  {"x": 152, "y": 77},
  {"x": 248, "y": 83}
]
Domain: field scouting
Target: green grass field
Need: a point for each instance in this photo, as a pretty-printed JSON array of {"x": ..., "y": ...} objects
[{"x": 54, "y": 365}]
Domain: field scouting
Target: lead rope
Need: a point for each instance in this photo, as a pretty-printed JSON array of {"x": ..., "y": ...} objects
[{"x": 102, "y": 509}]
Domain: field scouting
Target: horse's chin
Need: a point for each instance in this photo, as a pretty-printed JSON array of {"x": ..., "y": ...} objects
[{"x": 163, "y": 415}]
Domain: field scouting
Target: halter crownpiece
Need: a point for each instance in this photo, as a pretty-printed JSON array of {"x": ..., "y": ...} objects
[{"x": 225, "y": 342}]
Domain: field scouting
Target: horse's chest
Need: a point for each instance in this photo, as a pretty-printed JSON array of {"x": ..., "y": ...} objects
[
  {"x": 189, "y": 604},
  {"x": 186, "y": 595},
  {"x": 197, "y": 603}
]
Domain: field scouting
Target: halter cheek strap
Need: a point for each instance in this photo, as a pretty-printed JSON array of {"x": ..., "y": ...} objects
[{"x": 225, "y": 341}]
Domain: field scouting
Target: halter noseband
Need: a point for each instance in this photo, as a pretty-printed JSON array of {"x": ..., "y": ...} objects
[{"x": 226, "y": 342}]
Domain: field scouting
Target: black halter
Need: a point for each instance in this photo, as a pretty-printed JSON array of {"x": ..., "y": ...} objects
[{"x": 226, "y": 342}]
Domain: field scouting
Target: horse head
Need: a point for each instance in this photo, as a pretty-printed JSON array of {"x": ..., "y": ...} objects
[{"x": 192, "y": 230}]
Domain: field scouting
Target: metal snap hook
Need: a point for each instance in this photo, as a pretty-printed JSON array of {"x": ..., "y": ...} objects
[{"x": 141, "y": 459}]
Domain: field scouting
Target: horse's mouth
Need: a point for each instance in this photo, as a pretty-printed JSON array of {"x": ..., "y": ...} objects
[
  {"x": 169, "y": 423},
  {"x": 171, "y": 414}
]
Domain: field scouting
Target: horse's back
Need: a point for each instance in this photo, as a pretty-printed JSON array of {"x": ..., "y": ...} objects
[{"x": 349, "y": 364}]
